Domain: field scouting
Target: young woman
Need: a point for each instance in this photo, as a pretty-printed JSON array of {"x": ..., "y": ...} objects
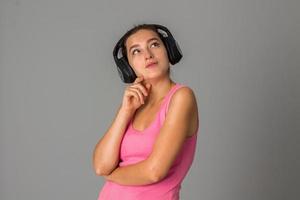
[{"x": 149, "y": 147}]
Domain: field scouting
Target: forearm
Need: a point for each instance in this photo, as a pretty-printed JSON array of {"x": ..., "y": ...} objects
[
  {"x": 135, "y": 174},
  {"x": 106, "y": 152}
]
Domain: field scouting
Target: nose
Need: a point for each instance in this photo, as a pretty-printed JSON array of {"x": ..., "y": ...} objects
[{"x": 148, "y": 54}]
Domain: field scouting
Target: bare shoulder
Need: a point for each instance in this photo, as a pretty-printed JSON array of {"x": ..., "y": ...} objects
[
  {"x": 184, "y": 103},
  {"x": 184, "y": 95}
]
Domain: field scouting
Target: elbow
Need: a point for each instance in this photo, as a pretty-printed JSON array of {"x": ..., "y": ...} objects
[
  {"x": 102, "y": 171},
  {"x": 156, "y": 170},
  {"x": 104, "y": 168},
  {"x": 154, "y": 178},
  {"x": 156, "y": 174}
]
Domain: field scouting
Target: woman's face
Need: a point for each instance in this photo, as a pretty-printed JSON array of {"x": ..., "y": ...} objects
[{"x": 147, "y": 54}]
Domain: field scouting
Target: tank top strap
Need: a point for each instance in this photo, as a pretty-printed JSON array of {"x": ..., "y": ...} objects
[{"x": 167, "y": 100}]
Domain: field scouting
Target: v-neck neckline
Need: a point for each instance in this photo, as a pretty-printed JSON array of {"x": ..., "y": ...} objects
[{"x": 156, "y": 114}]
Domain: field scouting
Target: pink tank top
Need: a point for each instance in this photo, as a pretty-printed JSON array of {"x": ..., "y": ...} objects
[{"x": 137, "y": 146}]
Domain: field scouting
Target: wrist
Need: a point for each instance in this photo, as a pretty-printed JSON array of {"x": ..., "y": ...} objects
[{"x": 126, "y": 112}]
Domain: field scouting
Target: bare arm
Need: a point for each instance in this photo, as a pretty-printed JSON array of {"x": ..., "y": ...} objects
[
  {"x": 175, "y": 129},
  {"x": 106, "y": 152},
  {"x": 134, "y": 174}
]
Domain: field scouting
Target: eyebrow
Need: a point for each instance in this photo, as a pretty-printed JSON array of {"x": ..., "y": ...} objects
[{"x": 136, "y": 45}]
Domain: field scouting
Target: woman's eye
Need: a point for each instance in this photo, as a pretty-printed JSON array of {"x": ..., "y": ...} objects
[
  {"x": 155, "y": 44},
  {"x": 134, "y": 51}
]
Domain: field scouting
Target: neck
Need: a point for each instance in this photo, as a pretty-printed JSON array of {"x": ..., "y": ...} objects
[{"x": 158, "y": 90}]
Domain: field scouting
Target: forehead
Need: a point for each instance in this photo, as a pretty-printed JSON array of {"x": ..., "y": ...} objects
[{"x": 141, "y": 36}]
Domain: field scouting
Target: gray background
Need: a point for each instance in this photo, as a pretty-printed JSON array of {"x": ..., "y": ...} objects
[{"x": 60, "y": 91}]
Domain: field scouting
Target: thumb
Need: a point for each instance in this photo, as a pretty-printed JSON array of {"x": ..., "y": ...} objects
[{"x": 148, "y": 85}]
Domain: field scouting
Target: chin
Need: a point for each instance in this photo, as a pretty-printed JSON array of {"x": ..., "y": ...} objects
[{"x": 155, "y": 77}]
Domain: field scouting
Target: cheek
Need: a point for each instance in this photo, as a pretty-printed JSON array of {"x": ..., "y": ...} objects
[
  {"x": 135, "y": 65},
  {"x": 164, "y": 55},
  {"x": 131, "y": 62}
]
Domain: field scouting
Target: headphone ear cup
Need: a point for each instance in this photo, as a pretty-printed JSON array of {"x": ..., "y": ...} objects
[
  {"x": 125, "y": 71},
  {"x": 175, "y": 52},
  {"x": 173, "y": 49}
]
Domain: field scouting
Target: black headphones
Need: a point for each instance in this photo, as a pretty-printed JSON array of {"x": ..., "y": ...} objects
[{"x": 124, "y": 69}]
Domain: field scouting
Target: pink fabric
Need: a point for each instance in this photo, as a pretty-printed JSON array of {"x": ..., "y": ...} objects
[{"x": 137, "y": 146}]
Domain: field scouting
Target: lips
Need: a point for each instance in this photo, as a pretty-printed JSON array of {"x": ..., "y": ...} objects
[{"x": 151, "y": 64}]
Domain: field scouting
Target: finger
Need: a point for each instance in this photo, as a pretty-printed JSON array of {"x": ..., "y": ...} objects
[
  {"x": 140, "y": 96},
  {"x": 142, "y": 88},
  {"x": 148, "y": 85},
  {"x": 138, "y": 79},
  {"x": 130, "y": 93}
]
